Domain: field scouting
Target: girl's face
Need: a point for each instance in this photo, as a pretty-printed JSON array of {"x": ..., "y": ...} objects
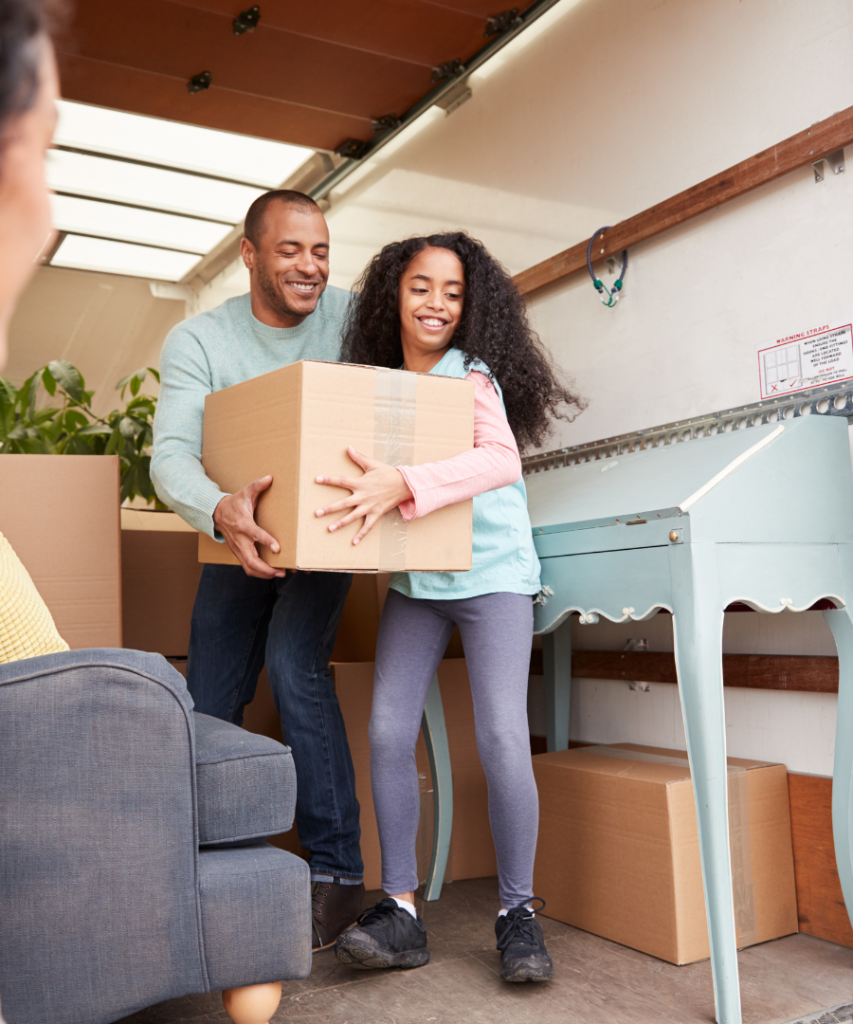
[{"x": 432, "y": 293}]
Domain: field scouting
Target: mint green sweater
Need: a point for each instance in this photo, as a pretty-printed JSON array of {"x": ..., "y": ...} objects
[{"x": 211, "y": 351}]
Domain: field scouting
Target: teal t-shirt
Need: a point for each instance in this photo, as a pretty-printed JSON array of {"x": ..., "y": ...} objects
[
  {"x": 503, "y": 557},
  {"x": 211, "y": 351}
]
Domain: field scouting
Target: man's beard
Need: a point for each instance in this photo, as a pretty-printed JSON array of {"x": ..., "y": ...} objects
[{"x": 273, "y": 296}]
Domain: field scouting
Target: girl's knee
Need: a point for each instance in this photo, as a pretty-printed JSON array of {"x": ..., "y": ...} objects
[
  {"x": 502, "y": 745},
  {"x": 389, "y": 738}
]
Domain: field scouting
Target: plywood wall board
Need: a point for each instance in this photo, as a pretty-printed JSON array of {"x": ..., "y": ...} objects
[
  {"x": 353, "y": 81},
  {"x": 140, "y": 91},
  {"x": 344, "y": 61},
  {"x": 799, "y": 150},
  {"x": 820, "y": 903},
  {"x": 413, "y": 30},
  {"x": 815, "y": 673}
]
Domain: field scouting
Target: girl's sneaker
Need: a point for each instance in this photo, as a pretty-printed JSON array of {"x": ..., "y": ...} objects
[
  {"x": 384, "y": 936},
  {"x": 522, "y": 945}
]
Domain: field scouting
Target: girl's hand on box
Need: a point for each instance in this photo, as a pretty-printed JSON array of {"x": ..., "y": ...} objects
[{"x": 380, "y": 489}]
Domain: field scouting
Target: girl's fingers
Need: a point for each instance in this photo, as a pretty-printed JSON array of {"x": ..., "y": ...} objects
[
  {"x": 369, "y": 522},
  {"x": 338, "y": 481},
  {"x": 339, "y": 506},
  {"x": 357, "y": 513},
  {"x": 362, "y": 460}
]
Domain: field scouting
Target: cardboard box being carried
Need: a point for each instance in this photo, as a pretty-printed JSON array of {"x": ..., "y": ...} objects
[
  {"x": 296, "y": 423},
  {"x": 618, "y": 851}
]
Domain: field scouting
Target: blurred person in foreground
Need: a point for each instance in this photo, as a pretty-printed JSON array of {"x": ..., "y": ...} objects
[{"x": 28, "y": 92}]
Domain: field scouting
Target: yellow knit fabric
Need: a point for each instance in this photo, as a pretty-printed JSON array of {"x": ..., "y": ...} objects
[{"x": 26, "y": 626}]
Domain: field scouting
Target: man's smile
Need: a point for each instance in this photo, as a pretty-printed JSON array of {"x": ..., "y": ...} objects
[{"x": 303, "y": 287}]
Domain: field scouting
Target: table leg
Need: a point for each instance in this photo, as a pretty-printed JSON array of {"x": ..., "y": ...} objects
[
  {"x": 698, "y": 630},
  {"x": 557, "y": 670},
  {"x": 841, "y": 624},
  {"x": 435, "y": 735}
]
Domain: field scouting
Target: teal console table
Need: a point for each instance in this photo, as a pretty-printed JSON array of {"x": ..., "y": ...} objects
[{"x": 762, "y": 516}]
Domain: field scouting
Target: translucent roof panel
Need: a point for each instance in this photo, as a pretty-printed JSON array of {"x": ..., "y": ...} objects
[
  {"x": 172, "y": 191},
  {"x": 203, "y": 150},
  {"x": 108, "y": 257},
  {"x": 131, "y": 224}
]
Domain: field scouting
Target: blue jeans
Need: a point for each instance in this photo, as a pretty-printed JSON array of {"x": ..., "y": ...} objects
[{"x": 239, "y": 622}]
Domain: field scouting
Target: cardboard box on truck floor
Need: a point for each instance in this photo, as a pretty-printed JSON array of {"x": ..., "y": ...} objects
[
  {"x": 61, "y": 515},
  {"x": 159, "y": 579},
  {"x": 296, "y": 423},
  {"x": 618, "y": 850}
]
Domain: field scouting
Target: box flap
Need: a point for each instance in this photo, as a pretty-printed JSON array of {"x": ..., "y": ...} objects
[
  {"x": 153, "y": 519},
  {"x": 653, "y": 764}
]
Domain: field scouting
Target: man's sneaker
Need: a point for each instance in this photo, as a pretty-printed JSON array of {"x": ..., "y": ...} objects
[
  {"x": 334, "y": 906},
  {"x": 384, "y": 936},
  {"x": 522, "y": 945}
]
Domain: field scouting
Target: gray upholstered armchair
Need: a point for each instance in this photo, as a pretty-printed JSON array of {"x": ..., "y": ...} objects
[{"x": 132, "y": 864}]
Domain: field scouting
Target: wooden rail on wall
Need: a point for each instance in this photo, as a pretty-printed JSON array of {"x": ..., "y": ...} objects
[
  {"x": 812, "y": 673},
  {"x": 799, "y": 150}
]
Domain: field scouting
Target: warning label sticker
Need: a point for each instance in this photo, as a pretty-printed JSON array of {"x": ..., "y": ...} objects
[{"x": 809, "y": 359}]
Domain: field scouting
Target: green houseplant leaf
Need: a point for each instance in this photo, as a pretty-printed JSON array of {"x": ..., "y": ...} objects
[{"x": 70, "y": 426}]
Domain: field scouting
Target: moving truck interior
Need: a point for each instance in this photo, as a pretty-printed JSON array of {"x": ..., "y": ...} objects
[{"x": 665, "y": 183}]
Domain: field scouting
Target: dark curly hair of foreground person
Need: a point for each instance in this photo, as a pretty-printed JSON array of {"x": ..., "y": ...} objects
[
  {"x": 22, "y": 24},
  {"x": 502, "y": 337}
]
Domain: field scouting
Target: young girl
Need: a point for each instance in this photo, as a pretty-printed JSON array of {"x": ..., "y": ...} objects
[{"x": 443, "y": 305}]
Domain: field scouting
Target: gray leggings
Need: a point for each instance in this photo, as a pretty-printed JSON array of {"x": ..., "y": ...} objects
[{"x": 497, "y": 631}]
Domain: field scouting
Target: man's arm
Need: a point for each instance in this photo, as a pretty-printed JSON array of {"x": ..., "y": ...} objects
[{"x": 176, "y": 469}]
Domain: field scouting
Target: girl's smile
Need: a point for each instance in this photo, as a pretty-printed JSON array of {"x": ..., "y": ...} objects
[{"x": 432, "y": 292}]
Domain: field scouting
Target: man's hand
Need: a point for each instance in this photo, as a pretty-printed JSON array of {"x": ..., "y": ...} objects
[
  {"x": 234, "y": 517},
  {"x": 380, "y": 489}
]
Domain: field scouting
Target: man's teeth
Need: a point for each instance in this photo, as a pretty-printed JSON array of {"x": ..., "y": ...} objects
[{"x": 302, "y": 287}]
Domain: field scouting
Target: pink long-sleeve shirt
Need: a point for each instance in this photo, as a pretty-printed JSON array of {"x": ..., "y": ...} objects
[{"x": 493, "y": 462}]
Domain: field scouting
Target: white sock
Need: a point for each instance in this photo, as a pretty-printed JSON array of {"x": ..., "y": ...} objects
[
  {"x": 503, "y": 913},
  {"x": 405, "y": 905}
]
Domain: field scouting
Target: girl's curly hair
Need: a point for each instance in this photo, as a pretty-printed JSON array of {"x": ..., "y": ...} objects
[{"x": 493, "y": 328}]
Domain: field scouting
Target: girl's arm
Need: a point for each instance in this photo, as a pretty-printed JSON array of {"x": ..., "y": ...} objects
[{"x": 493, "y": 462}]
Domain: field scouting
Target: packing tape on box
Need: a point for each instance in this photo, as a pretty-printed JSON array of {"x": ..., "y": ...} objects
[
  {"x": 740, "y": 845},
  {"x": 395, "y": 404}
]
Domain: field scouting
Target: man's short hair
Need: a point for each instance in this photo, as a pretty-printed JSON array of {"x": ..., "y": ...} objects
[{"x": 253, "y": 228}]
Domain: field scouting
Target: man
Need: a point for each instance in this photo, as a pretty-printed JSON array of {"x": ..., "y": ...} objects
[{"x": 251, "y": 614}]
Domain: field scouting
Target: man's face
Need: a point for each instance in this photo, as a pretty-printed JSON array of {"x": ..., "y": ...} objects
[{"x": 290, "y": 265}]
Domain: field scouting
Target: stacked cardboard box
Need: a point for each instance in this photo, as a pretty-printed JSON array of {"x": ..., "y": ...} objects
[
  {"x": 160, "y": 573},
  {"x": 61, "y": 515}
]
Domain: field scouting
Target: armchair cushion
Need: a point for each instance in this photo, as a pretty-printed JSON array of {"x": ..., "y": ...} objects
[
  {"x": 246, "y": 783},
  {"x": 255, "y": 914}
]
